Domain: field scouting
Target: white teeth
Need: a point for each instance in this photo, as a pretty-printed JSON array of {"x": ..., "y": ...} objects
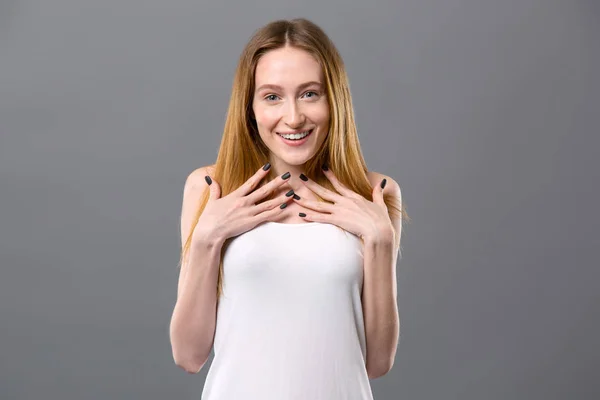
[{"x": 296, "y": 136}]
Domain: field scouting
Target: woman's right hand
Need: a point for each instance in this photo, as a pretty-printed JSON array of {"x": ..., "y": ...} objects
[{"x": 238, "y": 212}]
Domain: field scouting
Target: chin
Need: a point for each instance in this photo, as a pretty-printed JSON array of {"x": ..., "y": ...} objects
[{"x": 293, "y": 160}]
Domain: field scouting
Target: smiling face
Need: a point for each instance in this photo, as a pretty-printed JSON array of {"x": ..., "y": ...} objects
[{"x": 290, "y": 98}]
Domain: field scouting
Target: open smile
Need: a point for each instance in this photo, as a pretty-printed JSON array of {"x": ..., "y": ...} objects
[{"x": 295, "y": 139}]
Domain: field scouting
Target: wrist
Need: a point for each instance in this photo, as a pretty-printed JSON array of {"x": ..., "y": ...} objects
[
  {"x": 380, "y": 236},
  {"x": 208, "y": 241}
]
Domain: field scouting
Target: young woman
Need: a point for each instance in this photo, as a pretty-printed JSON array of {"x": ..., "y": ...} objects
[{"x": 289, "y": 242}]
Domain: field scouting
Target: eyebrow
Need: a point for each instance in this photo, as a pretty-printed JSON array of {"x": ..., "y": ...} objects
[{"x": 277, "y": 87}]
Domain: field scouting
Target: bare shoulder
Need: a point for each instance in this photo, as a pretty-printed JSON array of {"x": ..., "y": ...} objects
[
  {"x": 195, "y": 185},
  {"x": 391, "y": 186},
  {"x": 195, "y": 180},
  {"x": 201, "y": 172}
]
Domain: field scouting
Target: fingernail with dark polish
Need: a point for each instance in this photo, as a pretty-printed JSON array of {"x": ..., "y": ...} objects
[
  {"x": 303, "y": 177},
  {"x": 383, "y": 182},
  {"x": 288, "y": 194},
  {"x": 285, "y": 176},
  {"x": 207, "y": 179},
  {"x": 266, "y": 166},
  {"x": 284, "y": 205},
  {"x": 302, "y": 214},
  {"x": 296, "y": 197},
  {"x": 325, "y": 167}
]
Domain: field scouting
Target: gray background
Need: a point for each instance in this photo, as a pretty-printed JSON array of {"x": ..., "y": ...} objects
[{"x": 485, "y": 112}]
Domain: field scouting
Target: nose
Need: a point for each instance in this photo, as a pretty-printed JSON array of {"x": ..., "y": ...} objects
[{"x": 294, "y": 116}]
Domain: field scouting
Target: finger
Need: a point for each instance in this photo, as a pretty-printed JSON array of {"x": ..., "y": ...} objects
[
  {"x": 270, "y": 214},
  {"x": 267, "y": 189},
  {"x": 214, "y": 188},
  {"x": 319, "y": 206},
  {"x": 339, "y": 186},
  {"x": 320, "y": 190},
  {"x": 317, "y": 217},
  {"x": 251, "y": 183},
  {"x": 378, "y": 192},
  {"x": 273, "y": 203}
]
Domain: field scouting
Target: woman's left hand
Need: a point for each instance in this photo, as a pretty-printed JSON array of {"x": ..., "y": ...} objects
[{"x": 350, "y": 211}]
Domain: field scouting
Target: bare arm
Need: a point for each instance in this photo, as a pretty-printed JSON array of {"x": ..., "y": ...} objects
[
  {"x": 382, "y": 320},
  {"x": 193, "y": 321}
]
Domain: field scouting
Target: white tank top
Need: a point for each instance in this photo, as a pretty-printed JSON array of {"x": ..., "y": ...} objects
[{"x": 290, "y": 323}]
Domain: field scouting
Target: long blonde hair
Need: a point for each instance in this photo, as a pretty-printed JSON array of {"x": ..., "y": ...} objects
[{"x": 242, "y": 151}]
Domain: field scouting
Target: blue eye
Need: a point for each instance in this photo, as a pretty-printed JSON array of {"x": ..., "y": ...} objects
[
  {"x": 315, "y": 93},
  {"x": 270, "y": 96}
]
